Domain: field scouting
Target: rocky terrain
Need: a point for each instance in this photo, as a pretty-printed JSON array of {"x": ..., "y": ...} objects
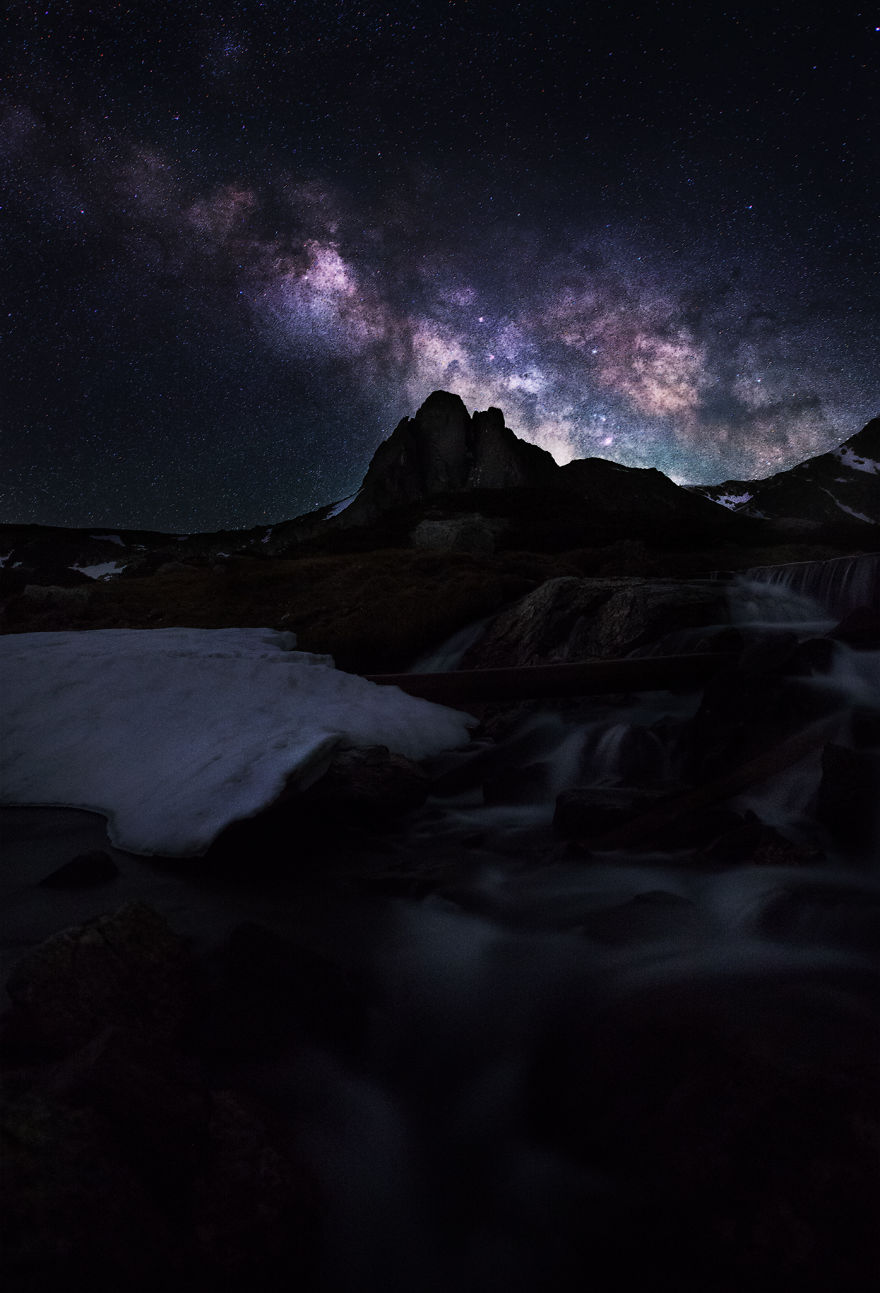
[
  {"x": 456, "y": 516},
  {"x": 820, "y": 492},
  {"x": 589, "y": 1003}
]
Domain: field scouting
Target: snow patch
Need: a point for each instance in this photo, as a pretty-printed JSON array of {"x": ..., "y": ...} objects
[
  {"x": 732, "y": 501},
  {"x": 850, "y": 459},
  {"x": 268, "y": 535},
  {"x": 108, "y": 538},
  {"x": 850, "y": 511},
  {"x": 174, "y": 733},
  {"x": 340, "y": 507},
  {"x": 3, "y": 560},
  {"x": 102, "y": 570}
]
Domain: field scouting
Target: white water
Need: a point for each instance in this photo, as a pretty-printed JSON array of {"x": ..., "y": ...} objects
[{"x": 840, "y": 585}]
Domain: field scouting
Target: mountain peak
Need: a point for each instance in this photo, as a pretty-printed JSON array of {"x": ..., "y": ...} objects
[{"x": 444, "y": 450}]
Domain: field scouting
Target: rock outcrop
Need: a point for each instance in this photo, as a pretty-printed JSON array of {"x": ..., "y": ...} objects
[
  {"x": 570, "y": 619},
  {"x": 443, "y": 450}
]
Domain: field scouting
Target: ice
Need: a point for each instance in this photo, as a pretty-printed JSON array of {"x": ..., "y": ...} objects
[{"x": 174, "y": 733}]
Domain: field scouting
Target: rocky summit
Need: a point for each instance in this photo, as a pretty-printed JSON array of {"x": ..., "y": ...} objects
[{"x": 443, "y": 450}]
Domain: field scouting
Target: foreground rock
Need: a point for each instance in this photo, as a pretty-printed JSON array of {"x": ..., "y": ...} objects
[
  {"x": 125, "y": 970},
  {"x": 569, "y": 619},
  {"x": 123, "y": 1165}
]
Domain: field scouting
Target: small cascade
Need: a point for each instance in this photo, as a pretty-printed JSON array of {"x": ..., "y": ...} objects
[
  {"x": 839, "y": 585},
  {"x": 449, "y": 654},
  {"x": 626, "y": 753}
]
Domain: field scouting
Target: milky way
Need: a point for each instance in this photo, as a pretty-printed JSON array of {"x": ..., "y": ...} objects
[{"x": 201, "y": 333}]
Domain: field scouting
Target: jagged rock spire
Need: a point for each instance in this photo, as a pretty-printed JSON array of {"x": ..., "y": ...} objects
[{"x": 444, "y": 450}]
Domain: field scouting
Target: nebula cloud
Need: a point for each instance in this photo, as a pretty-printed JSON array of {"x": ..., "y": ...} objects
[{"x": 603, "y": 345}]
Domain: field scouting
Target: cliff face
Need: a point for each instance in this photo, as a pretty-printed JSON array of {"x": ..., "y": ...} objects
[{"x": 443, "y": 450}]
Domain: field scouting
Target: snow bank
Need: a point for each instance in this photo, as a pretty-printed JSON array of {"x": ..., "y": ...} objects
[{"x": 174, "y": 733}]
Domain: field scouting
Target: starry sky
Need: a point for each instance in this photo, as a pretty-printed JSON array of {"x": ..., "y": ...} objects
[{"x": 241, "y": 241}]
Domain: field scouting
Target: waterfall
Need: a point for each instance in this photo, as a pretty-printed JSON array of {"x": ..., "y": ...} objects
[{"x": 840, "y": 584}]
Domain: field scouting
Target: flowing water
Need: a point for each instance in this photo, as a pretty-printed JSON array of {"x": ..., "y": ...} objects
[{"x": 631, "y": 1070}]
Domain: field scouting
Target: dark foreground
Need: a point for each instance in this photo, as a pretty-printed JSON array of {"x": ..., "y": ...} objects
[{"x": 463, "y": 1048}]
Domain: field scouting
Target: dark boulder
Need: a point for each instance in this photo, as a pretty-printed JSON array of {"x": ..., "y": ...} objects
[
  {"x": 83, "y": 871},
  {"x": 859, "y": 629},
  {"x": 126, "y": 970},
  {"x": 586, "y": 812},
  {"x": 366, "y": 787},
  {"x": 571, "y": 619},
  {"x": 847, "y": 801}
]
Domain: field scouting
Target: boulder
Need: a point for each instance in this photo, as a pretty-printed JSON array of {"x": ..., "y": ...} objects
[
  {"x": 571, "y": 619},
  {"x": 859, "y": 629},
  {"x": 83, "y": 871},
  {"x": 74, "y": 1213},
  {"x": 126, "y": 970},
  {"x": 847, "y": 798},
  {"x": 255, "y": 1209},
  {"x": 368, "y": 786},
  {"x": 466, "y": 533},
  {"x": 273, "y": 995},
  {"x": 586, "y": 812}
]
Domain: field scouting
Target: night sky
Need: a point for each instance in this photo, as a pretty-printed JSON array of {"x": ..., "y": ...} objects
[{"x": 242, "y": 240}]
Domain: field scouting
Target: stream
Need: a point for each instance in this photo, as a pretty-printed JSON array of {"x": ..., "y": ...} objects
[{"x": 614, "y": 1071}]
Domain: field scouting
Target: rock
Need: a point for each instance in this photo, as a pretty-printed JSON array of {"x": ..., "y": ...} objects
[
  {"x": 442, "y": 450},
  {"x": 83, "y": 871},
  {"x": 571, "y": 619},
  {"x": 815, "y": 655},
  {"x": 848, "y": 796},
  {"x": 655, "y": 916},
  {"x": 524, "y": 784},
  {"x": 753, "y": 842},
  {"x": 74, "y": 1212},
  {"x": 151, "y": 1100},
  {"x": 71, "y": 593},
  {"x": 859, "y": 629},
  {"x": 468, "y": 533},
  {"x": 12, "y": 582},
  {"x": 865, "y": 724},
  {"x": 272, "y": 994},
  {"x": 737, "y": 1113},
  {"x": 126, "y": 970},
  {"x": 746, "y": 711},
  {"x": 367, "y": 787},
  {"x": 825, "y": 913},
  {"x": 587, "y": 812},
  {"x": 255, "y": 1211}
]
